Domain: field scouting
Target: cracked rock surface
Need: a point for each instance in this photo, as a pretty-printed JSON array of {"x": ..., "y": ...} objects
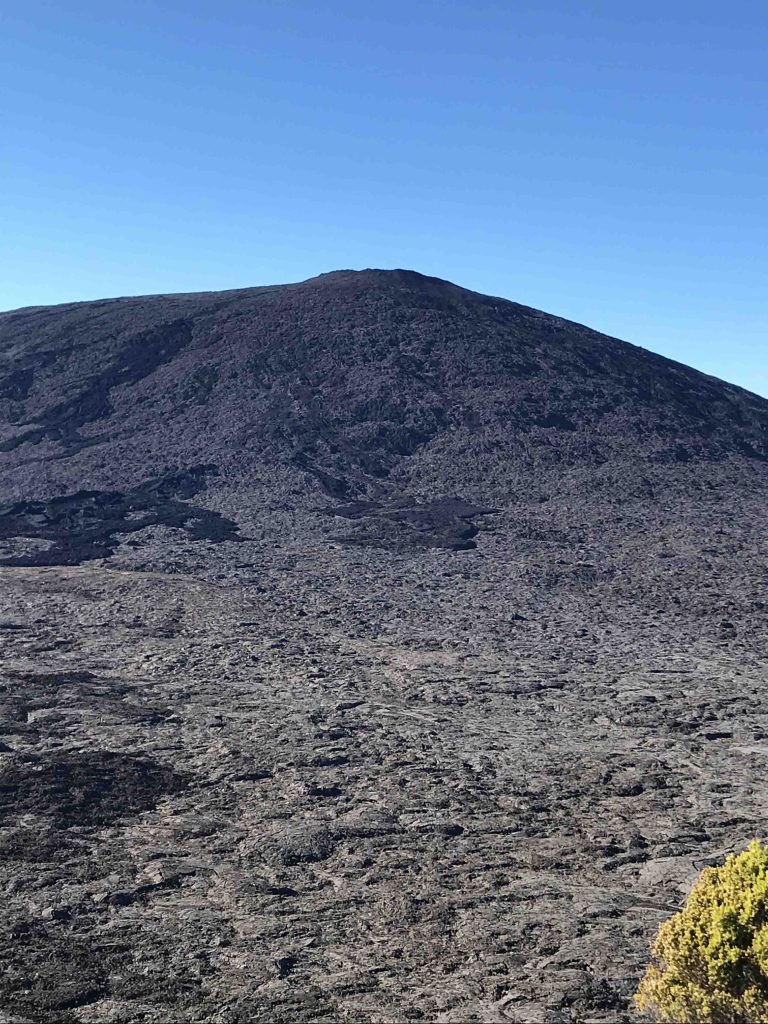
[{"x": 371, "y": 651}]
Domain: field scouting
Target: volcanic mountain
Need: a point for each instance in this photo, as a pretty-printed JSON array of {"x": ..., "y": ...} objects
[{"x": 372, "y": 650}]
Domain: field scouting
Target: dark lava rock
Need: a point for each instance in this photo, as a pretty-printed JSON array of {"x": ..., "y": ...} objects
[
  {"x": 85, "y": 789},
  {"x": 83, "y": 525},
  {"x": 442, "y": 523},
  {"x": 301, "y": 843}
]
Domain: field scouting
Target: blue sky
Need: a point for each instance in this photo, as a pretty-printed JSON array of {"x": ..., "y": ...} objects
[{"x": 604, "y": 161}]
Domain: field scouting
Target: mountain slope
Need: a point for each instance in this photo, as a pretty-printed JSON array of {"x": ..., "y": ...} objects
[{"x": 385, "y": 380}]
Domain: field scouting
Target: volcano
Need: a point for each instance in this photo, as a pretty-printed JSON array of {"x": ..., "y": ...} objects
[{"x": 372, "y": 649}]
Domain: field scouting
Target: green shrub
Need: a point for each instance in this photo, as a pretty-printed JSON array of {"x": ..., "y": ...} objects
[{"x": 711, "y": 959}]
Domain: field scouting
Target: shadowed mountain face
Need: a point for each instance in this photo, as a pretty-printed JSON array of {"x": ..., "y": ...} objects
[{"x": 370, "y": 649}]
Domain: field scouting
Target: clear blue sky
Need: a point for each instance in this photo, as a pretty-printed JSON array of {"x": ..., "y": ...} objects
[{"x": 605, "y": 161}]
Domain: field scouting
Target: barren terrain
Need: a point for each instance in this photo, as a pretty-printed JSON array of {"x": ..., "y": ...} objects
[{"x": 372, "y": 651}]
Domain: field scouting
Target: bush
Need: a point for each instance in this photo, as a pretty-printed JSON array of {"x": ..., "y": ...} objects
[{"x": 711, "y": 959}]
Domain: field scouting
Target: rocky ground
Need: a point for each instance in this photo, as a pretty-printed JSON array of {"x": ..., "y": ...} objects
[
  {"x": 345, "y": 784},
  {"x": 370, "y": 651}
]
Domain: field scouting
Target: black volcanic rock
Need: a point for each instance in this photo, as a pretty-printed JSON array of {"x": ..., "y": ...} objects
[
  {"x": 370, "y": 649},
  {"x": 84, "y": 525},
  {"x": 84, "y": 789}
]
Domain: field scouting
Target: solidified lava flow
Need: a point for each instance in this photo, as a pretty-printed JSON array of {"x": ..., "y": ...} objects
[{"x": 370, "y": 649}]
